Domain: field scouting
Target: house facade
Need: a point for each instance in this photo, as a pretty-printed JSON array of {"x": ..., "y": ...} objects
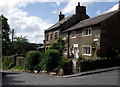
[
  {"x": 55, "y": 31},
  {"x": 89, "y": 35},
  {"x": 83, "y": 35}
]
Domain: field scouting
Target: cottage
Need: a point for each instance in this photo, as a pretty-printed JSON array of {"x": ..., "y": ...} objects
[
  {"x": 52, "y": 33},
  {"x": 83, "y": 35},
  {"x": 89, "y": 35}
]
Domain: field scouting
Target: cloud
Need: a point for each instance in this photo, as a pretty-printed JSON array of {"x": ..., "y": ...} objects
[
  {"x": 115, "y": 7},
  {"x": 70, "y": 8},
  {"x": 30, "y": 26},
  {"x": 58, "y": 3},
  {"x": 55, "y": 12},
  {"x": 98, "y": 12}
]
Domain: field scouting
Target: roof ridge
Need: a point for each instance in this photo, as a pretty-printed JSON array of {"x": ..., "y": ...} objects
[{"x": 92, "y": 21}]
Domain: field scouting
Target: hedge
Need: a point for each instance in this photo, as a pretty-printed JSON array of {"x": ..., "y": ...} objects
[
  {"x": 51, "y": 60},
  {"x": 33, "y": 59}
]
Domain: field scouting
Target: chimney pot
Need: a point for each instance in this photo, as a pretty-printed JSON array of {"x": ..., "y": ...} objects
[
  {"x": 80, "y": 9},
  {"x": 78, "y": 3},
  {"x": 61, "y": 16}
]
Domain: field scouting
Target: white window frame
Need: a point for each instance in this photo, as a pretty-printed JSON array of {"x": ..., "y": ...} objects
[
  {"x": 83, "y": 53},
  {"x": 84, "y": 32},
  {"x": 64, "y": 36},
  {"x": 51, "y": 36},
  {"x": 73, "y": 33},
  {"x": 47, "y": 37},
  {"x": 57, "y": 35}
]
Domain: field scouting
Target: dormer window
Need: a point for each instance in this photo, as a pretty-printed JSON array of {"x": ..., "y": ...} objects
[{"x": 87, "y": 32}]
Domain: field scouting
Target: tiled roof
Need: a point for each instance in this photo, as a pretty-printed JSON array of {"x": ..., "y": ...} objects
[
  {"x": 59, "y": 22},
  {"x": 92, "y": 21}
]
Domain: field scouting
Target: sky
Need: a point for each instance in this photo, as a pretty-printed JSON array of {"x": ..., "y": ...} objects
[{"x": 30, "y": 18}]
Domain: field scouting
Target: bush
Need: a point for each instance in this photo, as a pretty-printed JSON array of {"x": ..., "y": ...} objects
[
  {"x": 111, "y": 53},
  {"x": 101, "y": 52},
  {"x": 32, "y": 60},
  {"x": 7, "y": 63},
  {"x": 58, "y": 45},
  {"x": 50, "y": 60},
  {"x": 19, "y": 67},
  {"x": 81, "y": 58}
]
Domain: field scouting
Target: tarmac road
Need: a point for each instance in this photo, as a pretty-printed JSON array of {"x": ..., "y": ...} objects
[{"x": 22, "y": 78}]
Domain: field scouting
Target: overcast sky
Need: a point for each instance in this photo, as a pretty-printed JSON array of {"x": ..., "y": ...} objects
[{"x": 31, "y": 17}]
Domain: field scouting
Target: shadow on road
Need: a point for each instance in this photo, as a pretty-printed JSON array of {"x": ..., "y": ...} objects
[{"x": 9, "y": 78}]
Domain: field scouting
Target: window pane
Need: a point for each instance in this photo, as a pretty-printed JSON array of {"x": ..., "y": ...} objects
[
  {"x": 86, "y": 50},
  {"x": 51, "y": 36}
]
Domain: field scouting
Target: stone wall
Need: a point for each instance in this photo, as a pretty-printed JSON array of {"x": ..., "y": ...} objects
[{"x": 18, "y": 61}]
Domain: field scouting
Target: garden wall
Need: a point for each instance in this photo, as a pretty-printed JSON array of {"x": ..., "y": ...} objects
[
  {"x": 97, "y": 64},
  {"x": 18, "y": 61}
]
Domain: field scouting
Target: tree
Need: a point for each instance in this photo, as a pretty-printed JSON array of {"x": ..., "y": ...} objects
[
  {"x": 59, "y": 45},
  {"x": 20, "y": 45},
  {"x": 6, "y": 44}
]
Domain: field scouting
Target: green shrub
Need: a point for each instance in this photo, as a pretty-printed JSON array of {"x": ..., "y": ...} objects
[
  {"x": 101, "y": 52},
  {"x": 32, "y": 60},
  {"x": 111, "y": 53},
  {"x": 50, "y": 59},
  {"x": 59, "y": 45},
  {"x": 7, "y": 63},
  {"x": 81, "y": 58},
  {"x": 64, "y": 61},
  {"x": 19, "y": 67}
]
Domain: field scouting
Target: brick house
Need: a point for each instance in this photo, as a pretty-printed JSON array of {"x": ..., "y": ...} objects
[{"x": 52, "y": 33}]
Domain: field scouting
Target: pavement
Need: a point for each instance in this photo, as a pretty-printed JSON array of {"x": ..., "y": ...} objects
[{"x": 90, "y": 72}]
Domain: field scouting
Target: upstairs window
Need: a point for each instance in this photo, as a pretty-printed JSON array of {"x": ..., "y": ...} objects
[
  {"x": 51, "y": 36},
  {"x": 86, "y": 50},
  {"x": 64, "y": 36},
  {"x": 73, "y": 34},
  {"x": 47, "y": 37},
  {"x": 87, "y": 32},
  {"x": 56, "y": 35}
]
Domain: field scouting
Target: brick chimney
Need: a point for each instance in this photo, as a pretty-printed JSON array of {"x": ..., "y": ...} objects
[
  {"x": 80, "y": 9},
  {"x": 61, "y": 16}
]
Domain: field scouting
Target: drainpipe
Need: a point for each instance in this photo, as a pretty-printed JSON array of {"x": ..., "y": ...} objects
[{"x": 68, "y": 44}]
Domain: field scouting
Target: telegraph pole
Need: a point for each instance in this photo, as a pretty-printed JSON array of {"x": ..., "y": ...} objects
[{"x": 12, "y": 41}]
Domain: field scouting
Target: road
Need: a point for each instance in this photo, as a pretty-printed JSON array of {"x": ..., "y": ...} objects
[{"x": 18, "y": 78}]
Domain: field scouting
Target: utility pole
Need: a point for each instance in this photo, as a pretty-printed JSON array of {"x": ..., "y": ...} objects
[
  {"x": 12, "y": 41},
  {"x": 119, "y": 5}
]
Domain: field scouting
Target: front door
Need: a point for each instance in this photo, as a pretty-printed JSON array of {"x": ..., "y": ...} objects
[{"x": 76, "y": 52}]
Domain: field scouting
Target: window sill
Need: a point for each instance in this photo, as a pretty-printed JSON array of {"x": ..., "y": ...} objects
[
  {"x": 86, "y": 54},
  {"x": 86, "y": 35},
  {"x": 73, "y": 37}
]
